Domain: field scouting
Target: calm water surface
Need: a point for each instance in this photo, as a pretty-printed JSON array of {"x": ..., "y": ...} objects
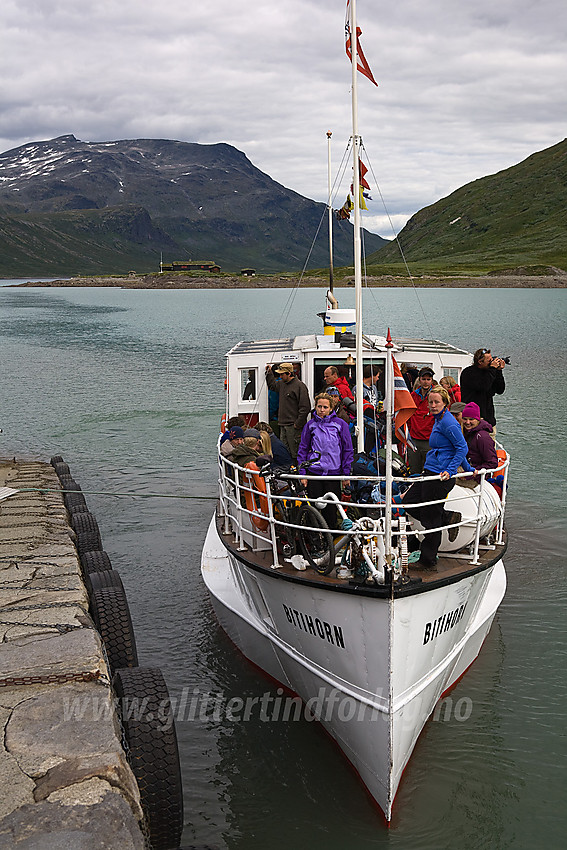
[{"x": 128, "y": 386}]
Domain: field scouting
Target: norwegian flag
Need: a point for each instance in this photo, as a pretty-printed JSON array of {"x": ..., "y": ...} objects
[
  {"x": 361, "y": 65},
  {"x": 404, "y": 405}
]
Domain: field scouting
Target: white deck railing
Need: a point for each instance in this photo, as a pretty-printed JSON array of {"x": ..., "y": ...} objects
[{"x": 257, "y": 529}]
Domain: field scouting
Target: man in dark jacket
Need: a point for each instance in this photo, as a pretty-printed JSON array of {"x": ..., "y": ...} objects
[
  {"x": 294, "y": 406},
  {"x": 482, "y": 381}
]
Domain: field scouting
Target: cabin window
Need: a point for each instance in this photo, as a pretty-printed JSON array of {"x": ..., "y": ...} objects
[
  {"x": 349, "y": 372},
  {"x": 248, "y": 384},
  {"x": 451, "y": 371}
]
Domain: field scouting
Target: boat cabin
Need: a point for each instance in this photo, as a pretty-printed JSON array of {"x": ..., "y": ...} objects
[{"x": 246, "y": 364}]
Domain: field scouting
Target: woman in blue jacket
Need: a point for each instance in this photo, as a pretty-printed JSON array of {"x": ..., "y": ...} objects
[
  {"x": 329, "y": 437},
  {"x": 447, "y": 451}
]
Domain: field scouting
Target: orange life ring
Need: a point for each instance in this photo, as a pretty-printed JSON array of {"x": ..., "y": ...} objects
[
  {"x": 223, "y": 423},
  {"x": 251, "y": 498},
  {"x": 502, "y": 458}
]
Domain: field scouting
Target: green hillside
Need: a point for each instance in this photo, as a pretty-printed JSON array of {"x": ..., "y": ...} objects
[{"x": 517, "y": 217}]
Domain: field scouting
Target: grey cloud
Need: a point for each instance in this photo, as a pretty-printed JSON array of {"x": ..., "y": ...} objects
[{"x": 464, "y": 89}]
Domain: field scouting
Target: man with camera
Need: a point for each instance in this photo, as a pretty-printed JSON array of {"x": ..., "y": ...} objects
[{"x": 482, "y": 381}]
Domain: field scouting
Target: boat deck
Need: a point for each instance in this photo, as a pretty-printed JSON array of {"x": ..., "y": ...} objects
[{"x": 446, "y": 571}]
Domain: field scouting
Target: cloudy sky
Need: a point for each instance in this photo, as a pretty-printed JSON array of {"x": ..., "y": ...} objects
[{"x": 465, "y": 88}]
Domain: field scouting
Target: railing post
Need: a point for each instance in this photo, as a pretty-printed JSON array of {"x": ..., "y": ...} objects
[
  {"x": 276, "y": 565},
  {"x": 478, "y": 517},
  {"x": 500, "y": 532}
]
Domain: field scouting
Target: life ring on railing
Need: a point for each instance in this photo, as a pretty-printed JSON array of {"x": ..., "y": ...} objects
[
  {"x": 502, "y": 456},
  {"x": 250, "y": 497},
  {"x": 223, "y": 423},
  {"x": 497, "y": 480}
]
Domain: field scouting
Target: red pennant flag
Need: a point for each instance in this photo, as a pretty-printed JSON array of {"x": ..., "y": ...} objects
[
  {"x": 362, "y": 169},
  {"x": 361, "y": 65}
]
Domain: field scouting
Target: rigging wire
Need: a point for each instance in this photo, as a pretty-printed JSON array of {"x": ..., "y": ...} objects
[
  {"x": 334, "y": 191},
  {"x": 410, "y": 276},
  {"x": 293, "y": 290}
]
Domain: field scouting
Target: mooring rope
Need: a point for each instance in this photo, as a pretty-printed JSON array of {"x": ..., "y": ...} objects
[{"x": 103, "y": 493}]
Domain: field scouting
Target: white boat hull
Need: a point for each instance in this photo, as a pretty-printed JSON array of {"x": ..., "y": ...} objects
[{"x": 372, "y": 669}]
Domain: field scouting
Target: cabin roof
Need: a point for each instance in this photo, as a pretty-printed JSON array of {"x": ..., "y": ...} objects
[
  {"x": 426, "y": 345},
  {"x": 320, "y": 342},
  {"x": 259, "y": 346}
]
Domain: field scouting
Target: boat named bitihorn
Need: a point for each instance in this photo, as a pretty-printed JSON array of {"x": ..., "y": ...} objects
[{"x": 343, "y": 617}]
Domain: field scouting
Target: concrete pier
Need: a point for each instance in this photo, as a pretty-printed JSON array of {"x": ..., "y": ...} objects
[{"x": 65, "y": 778}]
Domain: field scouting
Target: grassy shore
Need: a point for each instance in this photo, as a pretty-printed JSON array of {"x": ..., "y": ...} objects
[{"x": 556, "y": 278}]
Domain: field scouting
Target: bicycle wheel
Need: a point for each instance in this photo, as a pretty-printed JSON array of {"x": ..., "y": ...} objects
[
  {"x": 286, "y": 536},
  {"x": 317, "y": 546}
]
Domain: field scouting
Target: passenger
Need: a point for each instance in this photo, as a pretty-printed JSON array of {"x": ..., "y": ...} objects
[
  {"x": 294, "y": 405},
  {"x": 337, "y": 404},
  {"x": 273, "y": 405},
  {"x": 410, "y": 375},
  {"x": 457, "y": 410},
  {"x": 281, "y": 456},
  {"x": 249, "y": 452},
  {"x": 421, "y": 422},
  {"x": 448, "y": 451},
  {"x": 249, "y": 393},
  {"x": 328, "y": 436},
  {"x": 482, "y": 451},
  {"x": 370, "y": 391},
  {"x": 266, "y": 443},
  {"x": 232, "y": 422},
  {"x": 333, "y": 379},
  {"x": 482, "y": 381},
  {"x": 235, "y": 438},
  {"x": 452, "y": 387}
]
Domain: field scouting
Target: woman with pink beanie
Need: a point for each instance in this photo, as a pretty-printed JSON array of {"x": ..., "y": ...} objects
[{"x": 476, "y": 431}]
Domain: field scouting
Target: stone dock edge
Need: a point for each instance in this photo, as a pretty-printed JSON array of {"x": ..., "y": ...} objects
[{"x": 65, "y": 777}]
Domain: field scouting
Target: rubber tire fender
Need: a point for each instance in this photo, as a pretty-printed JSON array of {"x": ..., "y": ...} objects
[
  {"x": 111, "y": 616},
  {"x": 62, "y": 469},
  {"x": 103, "y": 578},
  {"x": 152, "y": 751},
  {"x": 96, "y": 561},
  {"x": 73, "y": 498},
  {"x": 86, "y": 528}
]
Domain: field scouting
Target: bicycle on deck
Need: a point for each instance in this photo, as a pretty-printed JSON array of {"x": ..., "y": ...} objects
[{"x": 300, "y": 526}]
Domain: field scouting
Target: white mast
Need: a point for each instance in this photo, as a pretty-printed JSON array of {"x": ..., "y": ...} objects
[
  {"x": 330, "y": 211},
  {"x": 389, "y": 424},
  {"x": 356, "y": 143}
]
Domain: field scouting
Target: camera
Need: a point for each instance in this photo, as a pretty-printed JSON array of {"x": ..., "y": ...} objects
[{"x": 505, "y": 360}]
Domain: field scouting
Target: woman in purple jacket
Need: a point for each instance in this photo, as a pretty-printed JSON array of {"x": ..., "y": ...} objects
[
  {"x": 327, "y": 438},
  {"x": 476, "y": 431}
]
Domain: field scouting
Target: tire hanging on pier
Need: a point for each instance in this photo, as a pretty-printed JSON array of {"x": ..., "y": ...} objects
[
  {"x": 111, "y": 615},
  {"x": 62, "y": 469},
  {"x": 95, "y": 561},
  {"x": 86, "y": 528},
  {"x": 103, "y": 578},
  {"x": 149, "y": 730},
  {"x": 71, "y": 498}
]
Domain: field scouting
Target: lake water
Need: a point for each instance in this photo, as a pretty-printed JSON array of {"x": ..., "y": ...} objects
[{"x": 128, "y": 386}]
